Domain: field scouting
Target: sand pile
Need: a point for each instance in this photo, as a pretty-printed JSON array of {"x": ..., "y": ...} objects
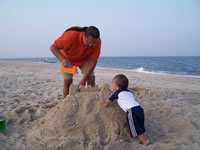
[{"x": 80, "y": 122}]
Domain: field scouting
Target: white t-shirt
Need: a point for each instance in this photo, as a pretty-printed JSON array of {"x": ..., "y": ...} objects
[{"x": 125, "y": 99}]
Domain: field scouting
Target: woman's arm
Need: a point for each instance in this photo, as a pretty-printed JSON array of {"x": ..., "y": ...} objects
[{"x": 62, "y": 59}]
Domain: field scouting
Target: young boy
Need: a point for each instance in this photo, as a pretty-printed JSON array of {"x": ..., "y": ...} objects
[{"x": 126, "y": 100}]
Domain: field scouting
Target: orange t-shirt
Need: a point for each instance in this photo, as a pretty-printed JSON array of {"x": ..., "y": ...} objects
[{"x": 71, "y": 46}]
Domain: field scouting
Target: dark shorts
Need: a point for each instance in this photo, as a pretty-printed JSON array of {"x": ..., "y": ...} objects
[{"x": 135, "y": 120}]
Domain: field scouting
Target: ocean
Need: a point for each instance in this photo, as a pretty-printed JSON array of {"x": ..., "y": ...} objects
[{"x": 174, "y": 65}]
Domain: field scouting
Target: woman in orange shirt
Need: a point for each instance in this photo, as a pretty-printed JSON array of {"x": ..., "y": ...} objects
[{"x": 79, "y": 47}]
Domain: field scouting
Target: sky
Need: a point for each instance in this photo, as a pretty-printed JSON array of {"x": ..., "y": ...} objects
[{"x": 127, "y": 27}]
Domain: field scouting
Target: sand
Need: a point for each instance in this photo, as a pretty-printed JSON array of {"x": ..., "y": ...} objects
[{"x": 39, "y": 118}]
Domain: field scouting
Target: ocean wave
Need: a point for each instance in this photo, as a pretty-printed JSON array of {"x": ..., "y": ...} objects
[{"x": 142, "y": 70}]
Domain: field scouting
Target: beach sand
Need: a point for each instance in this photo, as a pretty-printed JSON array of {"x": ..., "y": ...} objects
[{"x": 38, "y": 118}]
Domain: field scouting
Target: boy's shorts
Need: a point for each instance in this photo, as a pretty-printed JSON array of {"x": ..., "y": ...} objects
[
  {"x": 83, "y": 69},
  {"x": 135, "y": 119}
]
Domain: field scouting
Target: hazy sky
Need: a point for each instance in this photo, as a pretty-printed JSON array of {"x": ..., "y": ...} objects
[{"x": 128, "y": 27}]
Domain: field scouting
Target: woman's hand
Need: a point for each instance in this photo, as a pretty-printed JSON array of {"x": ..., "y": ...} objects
[
  {"x": 82, "y": 83},
  {"x": 66, "y": 63}
]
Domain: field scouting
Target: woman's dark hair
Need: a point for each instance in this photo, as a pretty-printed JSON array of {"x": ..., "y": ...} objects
[
  {"x": 121, "y": 81},
  {"x": 91, "y": 30},
  {"x": 78, "y": 29}
]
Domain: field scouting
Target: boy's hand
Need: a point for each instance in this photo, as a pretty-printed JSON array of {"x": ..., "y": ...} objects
[{"x": 104, "y": 103}]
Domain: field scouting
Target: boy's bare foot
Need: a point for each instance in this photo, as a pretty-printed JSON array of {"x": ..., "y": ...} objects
[
  {"x": 144, "y": 139},
  {"x": 147, "y": 142}
]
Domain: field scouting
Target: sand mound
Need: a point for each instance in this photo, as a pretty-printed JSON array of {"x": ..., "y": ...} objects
[{"x": 80, "y": 122}]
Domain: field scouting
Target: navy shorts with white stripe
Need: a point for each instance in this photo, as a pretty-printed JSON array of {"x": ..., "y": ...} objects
[{"x": 135, "y": 120}]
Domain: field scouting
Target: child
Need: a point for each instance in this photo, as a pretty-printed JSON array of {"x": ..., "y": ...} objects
[{"x": 126, "y": 100}]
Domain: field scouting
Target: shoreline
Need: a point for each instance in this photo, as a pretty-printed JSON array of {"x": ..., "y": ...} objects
[
  {"x": 189, "y": 76},
  {"x": 106, "y": 75},
  {"x": 113, "y": 69}
]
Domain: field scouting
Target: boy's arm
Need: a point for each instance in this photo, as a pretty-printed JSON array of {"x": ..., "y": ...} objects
[{"x": 106, "y": 102}]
